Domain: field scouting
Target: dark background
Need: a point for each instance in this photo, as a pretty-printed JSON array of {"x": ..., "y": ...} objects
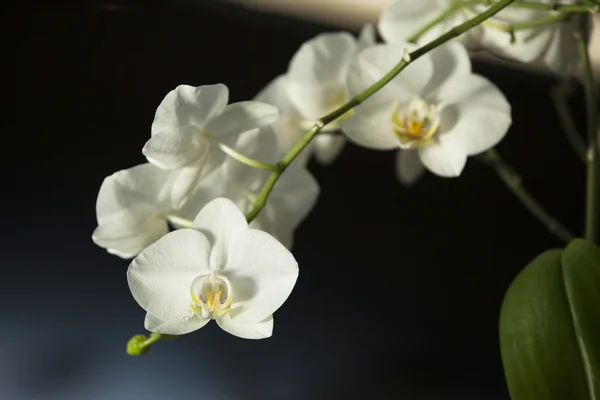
[{"x": 399, "y": 291}]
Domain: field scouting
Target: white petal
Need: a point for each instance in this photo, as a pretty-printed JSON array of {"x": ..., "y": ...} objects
[
  {"x": 328, "y": 147},
  {"x": 450, "y": 61},
  {"x": 259, "y": 144},
  {"x": 220, "y": 221},
  {"x": 160, "y": 276},
  {"x": 173, "y": 150},
  {"x": 446, "y": 157},
  {"x": 561, "y": 54},
  {"x": 142, "y": 184},
  {"x": 275, "y": 93},
  {"x": 187, "y": 179},
  {"x": 258, "y": 330},
  {"x": 371, "y": 126},
  {"x": 188, "y": 105},
  {"x": 409, "y": 167},
  {"x": 127, "y": 207},
  {"x": 315, "y": 101},
  {"x": 475, "y": 110},
  {"x": 317, "y": 74},
  {"x": 376, "y": 61},
  {"x": 288, "y": 128},
  {"x": 241, "y": 117},
  {"x": 401, "y": 19},
  {"x": 262, "y": 273},
  {"x": 323, "y": 59},
  {"x": 174, "y": 327},
  {"x": 294, "y": 196},
  {"x": 528, "y": 47},
  {"x": 366, "y": 36},
  {"x": 273, "y": 220},
  {"x": 129, "y": 231},
  {"x": 184, "y": 185}
]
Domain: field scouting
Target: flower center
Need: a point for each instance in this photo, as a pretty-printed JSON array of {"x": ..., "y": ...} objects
[
  {"x": 415, "y": 123},
  {"x": 211, "y": 296}
]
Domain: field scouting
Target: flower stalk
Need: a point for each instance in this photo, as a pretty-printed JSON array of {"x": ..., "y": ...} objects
[
  {"x": 364, "y": 95},
  {"x": 186, "y": 223},
  {"x": 563, "y": 9},
  {"x": 251, "y": 162},
  {"x": 591, "y": 101},
  {"x": 513, "y": 181},
  {"x": 568, "y": 123},
  {"x": 140, "y": 344}
]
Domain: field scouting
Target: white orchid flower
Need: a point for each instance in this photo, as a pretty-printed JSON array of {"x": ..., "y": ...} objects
[
  {"x": 550, "y": 44},
  {"x": 132, "y": 209},
  {"x": 293, "y": 197},
  {"x": 221, "y": 269},
  {"x": 189, "y": 120},
  {"x": 314, "y": 85},
  {"x": 436, "y": 111}
]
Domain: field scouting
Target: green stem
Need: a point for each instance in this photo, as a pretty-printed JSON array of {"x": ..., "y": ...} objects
[
  {"x": 361, "y": 97},
  {"x": 553, "y": 7},
  {"x": 591, "y": 4},
  {"x": 186, "y": 223},
  {"x": 451, "y": 9},
  {"x": 592, "y": 200},
  {"x": 550, "y": 19},
  {"x": 513, "y": 181},
  {"x": 568, "y": 123},
  {"x": 240, "y": 157},
  {"x": 139, "y": 344},
  {"x": 154, "y": 337}
]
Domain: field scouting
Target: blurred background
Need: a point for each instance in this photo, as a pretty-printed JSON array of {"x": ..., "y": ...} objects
[{"x": 412, "y": 279}]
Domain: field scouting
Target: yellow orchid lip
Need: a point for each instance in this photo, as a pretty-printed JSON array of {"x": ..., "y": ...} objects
[
  {"x": 416, "y": 123},
  {"x": 211, "y": 296}
]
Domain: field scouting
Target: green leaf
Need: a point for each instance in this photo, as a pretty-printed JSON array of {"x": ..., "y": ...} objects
[
  {"x": 581, "y": 272},
  {"x": 549, "y": 326}
]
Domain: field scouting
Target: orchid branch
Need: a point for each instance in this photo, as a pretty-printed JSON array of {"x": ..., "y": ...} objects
[
  {"x": 571, "y": 8},
  {"x": 568, "y": 123},
  {"x": 361, "y": 97},
  {"x": 592, "y": 208},
  {"x": 563, "y": 9},
  {"x": 513, "y": 181},
  {"x": 451, "y": 9},
  {"x": 251, "y": 162},
  {"x": 140, "y": 344}
]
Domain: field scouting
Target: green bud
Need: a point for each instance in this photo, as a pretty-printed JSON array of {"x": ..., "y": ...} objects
[{"x": 137, "y": 346}]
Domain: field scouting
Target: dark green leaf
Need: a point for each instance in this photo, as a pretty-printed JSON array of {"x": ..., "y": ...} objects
[
  {"x": 540, "y": 350},
  {"x": 581, "y": 272}
]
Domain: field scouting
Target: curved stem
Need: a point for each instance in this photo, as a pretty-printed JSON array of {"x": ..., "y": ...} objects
[
  {"x": 458, "y": 30},
  {"x": 568, "y": 123},
  {"x": 550, "y": 19},
  {"x": 554, "y": 7},
  {"x": 186, "y": 223},
  {"x": 451, "y": 9},
  {"x": 154, "y": 337},
  {"x": 591, "y": 101},
  {"x": 513, "y": 181},
  {"x": 251, "y": 162},
  {"x": 140, "y": 344}
]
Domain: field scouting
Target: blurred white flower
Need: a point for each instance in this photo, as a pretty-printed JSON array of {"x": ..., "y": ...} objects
[
  {"x": 293, "y": 197},
  {"x": 220, "y": 270},
  {"x": 551, "y": 44},
  {"x": 132, "y": 209},
  {"x": 314, "y": 85},
  {"x": 436, "y": 111},
  {"x": 186, "y": 123}
]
